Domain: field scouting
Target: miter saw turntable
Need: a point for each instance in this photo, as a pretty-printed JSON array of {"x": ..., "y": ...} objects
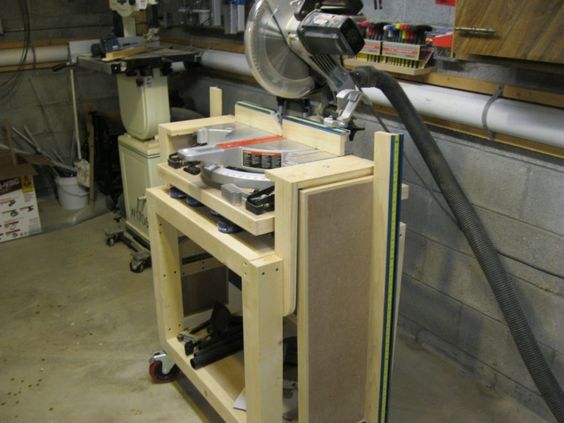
[{"x": 234, "y": 157}]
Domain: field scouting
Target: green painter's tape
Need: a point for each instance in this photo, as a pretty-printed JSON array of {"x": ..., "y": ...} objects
[
  {"x": 391, "y": 274},
  {"x": 254, "y": 107},
  {"x": 315, "y": 124}
]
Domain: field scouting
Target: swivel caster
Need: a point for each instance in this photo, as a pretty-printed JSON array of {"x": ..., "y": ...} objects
[
  {"x": 140, "y": 260},
  {"x": 136, "y": 267},
  {"x": 162, "y": 369},
  {"x": 113, "y": 237}
]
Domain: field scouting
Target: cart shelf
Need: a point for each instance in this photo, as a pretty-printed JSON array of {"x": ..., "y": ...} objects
[
  {"x": 211, "y": 197},
  {"x": 197, "y": 221},
  {"x": 220, "y": 383}
]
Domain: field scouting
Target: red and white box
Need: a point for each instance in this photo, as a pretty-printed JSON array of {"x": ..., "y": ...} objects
[{"x": 19, "y": 216}]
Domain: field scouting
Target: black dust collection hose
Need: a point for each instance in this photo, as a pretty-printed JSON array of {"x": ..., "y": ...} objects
[{"x": 475, "y": 232}]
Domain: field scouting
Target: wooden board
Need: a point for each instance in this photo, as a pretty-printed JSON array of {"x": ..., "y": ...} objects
[
  {"x": 315, "y": 135},
  {"x": 252, "y": 258},
  {"x": 288, "y": 182},
  {"x": 488, "y": 87},
  {"x": 524, "y": 29},
  {"x": 219, "y": 383},
  {"x": 334, "y": 282},
  {"x": 388, "y": 153},
  {"x": 258, "y": 117},
  {"x": 120, "y": 54},
  {"x": 211, "y": 197},
  {"x": 175, "y": 135},
  {"x": 352, "y": 63},
  {"x": 231, "y": 250},
  {"x": 216, "y": 101},
  {"x": 262, "y": 321}
]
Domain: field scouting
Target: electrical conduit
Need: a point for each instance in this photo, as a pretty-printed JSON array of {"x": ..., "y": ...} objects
[{"x": 48, "y": 54}]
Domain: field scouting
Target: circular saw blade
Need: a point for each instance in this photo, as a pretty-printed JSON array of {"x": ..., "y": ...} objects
[{"x": 274, "y": 65}]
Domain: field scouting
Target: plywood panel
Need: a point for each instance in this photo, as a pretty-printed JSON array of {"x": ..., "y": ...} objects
[
  {"x": 289, "y": 180},
  {"x": 333, "y": 301},
  {"x": 524, "y": 29},
  {"x": 216, "y": 101}
]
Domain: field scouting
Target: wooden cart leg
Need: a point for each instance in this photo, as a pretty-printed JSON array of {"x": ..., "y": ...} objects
[
  {"x": 166, "y": 276},
  {"x": 262, "y": 319},
  {"x": 388, "y": 150}
]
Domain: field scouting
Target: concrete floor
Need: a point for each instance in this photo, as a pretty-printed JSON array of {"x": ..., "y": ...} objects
[{"x": 77, "y": 328}]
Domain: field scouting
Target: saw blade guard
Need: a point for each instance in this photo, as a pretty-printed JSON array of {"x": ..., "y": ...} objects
[{"x": 274, "y": 65}]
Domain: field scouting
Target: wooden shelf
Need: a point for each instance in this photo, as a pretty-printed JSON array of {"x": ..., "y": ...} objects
[
  {"x": 211, "y": 197},
  {"x": 220, "y": 383},
  {"x": 352, "y": 63},
  {"x": 199, "y": 225}
]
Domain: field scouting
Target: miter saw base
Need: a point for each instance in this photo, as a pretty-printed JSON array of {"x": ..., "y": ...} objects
[{"x": 238, "y": 155}]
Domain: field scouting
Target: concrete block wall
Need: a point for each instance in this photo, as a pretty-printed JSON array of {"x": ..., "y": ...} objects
[
  {"x": 447, "y": 304},
  {"x": 42, "y": 98},
  {"x": 52, "y": 19},
  {"x": 42, "y": 102}
]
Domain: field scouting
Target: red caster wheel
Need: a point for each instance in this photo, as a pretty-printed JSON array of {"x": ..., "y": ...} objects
[{"x": 157, "y": 374}]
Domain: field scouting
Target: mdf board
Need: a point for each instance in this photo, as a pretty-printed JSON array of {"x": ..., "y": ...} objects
[
  {"x": 200, "y": 291},
  {"x": 335, "y": 244},
  {"x": 524, "y": 29}
]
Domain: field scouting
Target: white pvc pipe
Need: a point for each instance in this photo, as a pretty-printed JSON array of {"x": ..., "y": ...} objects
[
  {"x": 524, "y": 120},
  {"x": 12, "y": 57},
  {"x": 542, "y": 124},
  {"x": 225, "y": 61}
]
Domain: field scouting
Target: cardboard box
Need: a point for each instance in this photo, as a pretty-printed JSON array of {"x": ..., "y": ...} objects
[{"x": 19, "y": 216}]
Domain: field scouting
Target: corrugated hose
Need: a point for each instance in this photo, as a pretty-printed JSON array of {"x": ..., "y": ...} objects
[{"x": 475, "y": 233}]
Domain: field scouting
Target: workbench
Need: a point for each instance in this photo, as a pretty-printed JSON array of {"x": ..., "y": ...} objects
[{"x": 326, "y": 263}]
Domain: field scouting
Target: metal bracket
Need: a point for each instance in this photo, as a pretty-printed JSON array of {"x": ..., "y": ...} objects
[
  {"x": 347, "y": 102},
  {"x": 212, "y": 135},
  {"x": 167, "y": 362}
]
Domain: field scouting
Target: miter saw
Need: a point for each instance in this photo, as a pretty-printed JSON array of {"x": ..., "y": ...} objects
[
  {"x": 297, "y": 47},
  {"x": 278, "y": 37},
  {"x": 235, "y": 156}
]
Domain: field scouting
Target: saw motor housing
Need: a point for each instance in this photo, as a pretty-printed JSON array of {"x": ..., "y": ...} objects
[
  {"x": 326, "y": 33},
  {"x": 296, "y": 48}
]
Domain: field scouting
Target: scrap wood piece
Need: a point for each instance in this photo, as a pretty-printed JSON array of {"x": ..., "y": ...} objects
[{"x": 120, "y": 54}]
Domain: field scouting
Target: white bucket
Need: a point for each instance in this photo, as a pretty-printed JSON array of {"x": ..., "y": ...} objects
[{"x": 72, "y": 196}]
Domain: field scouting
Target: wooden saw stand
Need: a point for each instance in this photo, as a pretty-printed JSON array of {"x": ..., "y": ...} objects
[{"x": 326, "y": 262}]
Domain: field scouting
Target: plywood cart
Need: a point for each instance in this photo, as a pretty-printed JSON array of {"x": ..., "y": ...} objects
[{"x": 327, "y": 260}]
